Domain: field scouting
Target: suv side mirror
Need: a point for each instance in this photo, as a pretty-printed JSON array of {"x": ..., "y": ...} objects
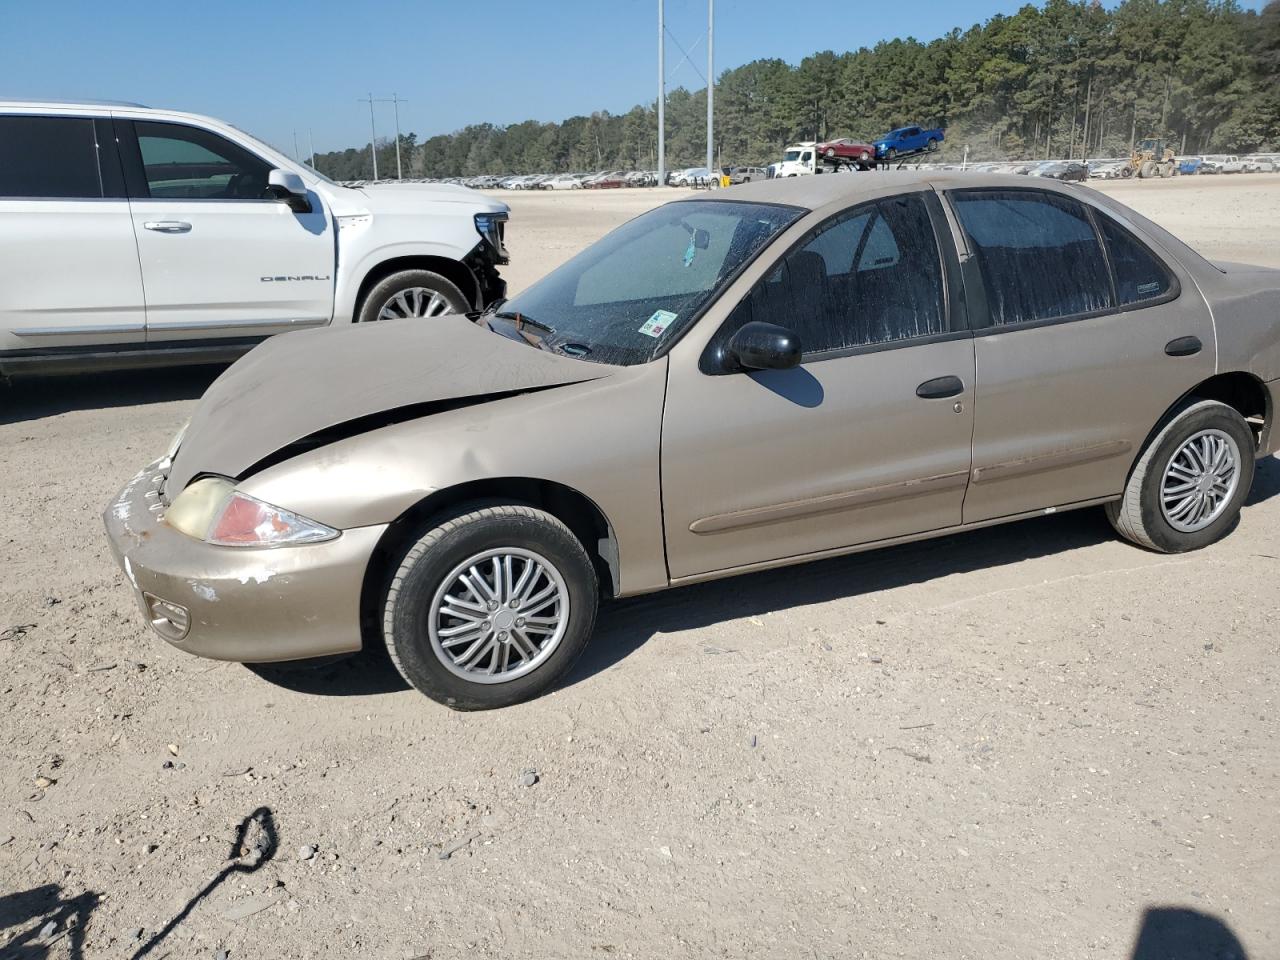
[
  {"x": 287, "y": 186},
  {"x": 763, "y": 346}
]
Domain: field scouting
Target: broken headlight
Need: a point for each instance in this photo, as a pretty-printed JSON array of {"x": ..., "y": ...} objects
[{"x": 213, "y": 510}]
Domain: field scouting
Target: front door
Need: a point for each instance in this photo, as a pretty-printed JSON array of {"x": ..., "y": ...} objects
[
  {"x": 219, "y": 257},
  {"x": 1090, "y": 337},
  {"x": 69, "y": 277},
  {"x": 866, "y": 440}
]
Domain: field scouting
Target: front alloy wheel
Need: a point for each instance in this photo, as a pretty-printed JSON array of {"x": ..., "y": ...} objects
[
  {"x": 412, "y": 294},
  {"x": 498, "y": 615},
  {"x": 490, "y": 607}
]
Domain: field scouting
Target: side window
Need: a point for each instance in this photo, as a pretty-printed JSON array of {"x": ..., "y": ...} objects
[
  {"x": 1038, "y": 253},
  {"x": 49, "y": 157},
  {"x": 872, "y": 275},
  {"x": 1140, "y": 275},
  {"x": 187, "y": 163}
]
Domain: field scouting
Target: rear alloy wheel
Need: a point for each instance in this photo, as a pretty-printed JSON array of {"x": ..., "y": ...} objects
[
  {"x": 412, "y": 294},
  {"x": 933, "y": 144},
  {"x": 1187, "y": 488},
  {"x": 490, "y": 608}
]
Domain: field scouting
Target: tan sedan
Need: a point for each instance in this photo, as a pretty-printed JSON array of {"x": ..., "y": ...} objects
[{"x": 776, "y": 372}]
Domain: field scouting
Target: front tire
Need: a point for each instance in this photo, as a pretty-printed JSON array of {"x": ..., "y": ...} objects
[
  {"x": 412, "y": 293},
  {"x": 490, "y": 608},
  {"x": 1186, "y": 490},
  {"x": 891, "y": 154}
]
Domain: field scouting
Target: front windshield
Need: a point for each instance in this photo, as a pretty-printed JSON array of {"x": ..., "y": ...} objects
[
  {"x": 624, "y": 298},
  {"x": 791, "y": 156}
]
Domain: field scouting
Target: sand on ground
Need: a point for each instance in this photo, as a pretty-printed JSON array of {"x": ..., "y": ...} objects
[{"x": 1012, "y": 742}]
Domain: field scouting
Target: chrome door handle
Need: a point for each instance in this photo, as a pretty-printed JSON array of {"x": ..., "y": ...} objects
[{"x": 168, "y": 226}]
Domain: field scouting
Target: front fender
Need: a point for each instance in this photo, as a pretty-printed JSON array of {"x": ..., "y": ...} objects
[{"x": 600, "y": 438}]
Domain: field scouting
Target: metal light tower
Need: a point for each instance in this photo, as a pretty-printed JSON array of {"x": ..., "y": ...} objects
[
  {"x": 395, "y": 102},
  {"x": 711, "y": 82},
  {"x": 662, "y": 96},
  {"x": 373, "y": 134}
]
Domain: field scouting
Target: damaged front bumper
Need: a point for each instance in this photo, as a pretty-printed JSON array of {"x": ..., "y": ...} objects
[{"x": 236, "y": 603}]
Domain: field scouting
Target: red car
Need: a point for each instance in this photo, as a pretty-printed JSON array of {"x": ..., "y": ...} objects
[
  {"x": 845, "y": 149},
  {"x": 606, "y": 181}
]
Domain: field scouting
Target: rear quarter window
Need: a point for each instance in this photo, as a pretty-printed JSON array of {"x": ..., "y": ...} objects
[
  {"x": 48, "y": 158},
  {"x": 1140, "y": 275}
]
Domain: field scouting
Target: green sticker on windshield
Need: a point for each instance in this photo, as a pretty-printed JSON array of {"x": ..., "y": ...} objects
[{"x": 655, "y": 325}]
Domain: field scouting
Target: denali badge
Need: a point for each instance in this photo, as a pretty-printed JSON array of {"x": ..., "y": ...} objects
[{"x": 303, "y": 277}]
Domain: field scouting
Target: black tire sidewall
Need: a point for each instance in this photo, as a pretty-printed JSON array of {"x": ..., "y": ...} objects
[
  {"x": 472, "y": 535},
  {"x": 1165, "y": 537},
  {"x": 389, "y": 286}
]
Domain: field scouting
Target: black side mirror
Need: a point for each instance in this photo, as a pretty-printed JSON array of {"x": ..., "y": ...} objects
[{"x": 762, "y": 346}]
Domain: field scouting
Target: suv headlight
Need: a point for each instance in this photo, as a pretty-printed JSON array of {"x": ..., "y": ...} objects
[
  {"x": 493, "y": 227},
  {"x": 213, "y": 510}
]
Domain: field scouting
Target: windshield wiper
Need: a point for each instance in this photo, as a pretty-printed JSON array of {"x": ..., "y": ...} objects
[{"x": 519, "y": 322}]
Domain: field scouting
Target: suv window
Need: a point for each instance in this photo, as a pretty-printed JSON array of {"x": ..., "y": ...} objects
[
  {"x": 1140, "y": 274},
  {"x": 1038, "y": 253},
  {"x": 182, "y": 162},
  {"x": 49, "y": 157},
  {"x": 869, "y": 276}
]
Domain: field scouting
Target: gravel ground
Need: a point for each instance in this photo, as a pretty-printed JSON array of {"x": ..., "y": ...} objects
[{"x": 1013, "y": 742}]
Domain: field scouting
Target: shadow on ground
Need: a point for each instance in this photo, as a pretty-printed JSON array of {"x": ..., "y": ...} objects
[
  {"x": 36, "y": 910},
  {"x": 33, "y": 398},
  {"x": 1176, "y": 933}
]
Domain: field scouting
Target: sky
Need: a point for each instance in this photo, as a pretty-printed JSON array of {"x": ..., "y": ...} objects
[{"x": 285, "y": 68}]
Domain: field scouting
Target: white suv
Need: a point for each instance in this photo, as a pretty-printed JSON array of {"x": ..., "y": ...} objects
[{"x": 131, "y": 236}]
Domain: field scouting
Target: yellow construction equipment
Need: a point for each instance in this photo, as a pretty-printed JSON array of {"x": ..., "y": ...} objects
[{"x": 1152, "y": 157}]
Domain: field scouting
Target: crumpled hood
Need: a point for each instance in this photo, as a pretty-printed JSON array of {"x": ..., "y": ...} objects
[{"x": 297, "y": 384}]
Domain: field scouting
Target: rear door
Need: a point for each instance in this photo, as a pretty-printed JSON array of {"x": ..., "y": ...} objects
[
  {"x": 220, "y": 258},
  {"x": 69, "y": 276},
  {"x": 1087, "y": 336}
]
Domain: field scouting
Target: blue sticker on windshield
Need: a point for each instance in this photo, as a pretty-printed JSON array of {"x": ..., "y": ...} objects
[{"x": 691, "y": 252}]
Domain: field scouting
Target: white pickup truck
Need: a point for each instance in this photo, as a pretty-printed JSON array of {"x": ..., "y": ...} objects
[{"x": 131, "y": 236}]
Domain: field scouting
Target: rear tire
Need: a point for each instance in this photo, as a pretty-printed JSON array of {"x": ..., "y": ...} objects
[
  {"x": 1147, "y": 513},
  {"x": 433, "y": 648},
  {"x": 933, "y": 144},
  {"x": 398, "y": 296}
]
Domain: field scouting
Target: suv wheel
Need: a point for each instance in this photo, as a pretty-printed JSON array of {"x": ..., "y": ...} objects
[
  {"x": 412, "y": 293},
  {"x": 490, "y": 608},
  {"x": 1187, "y": 488}
]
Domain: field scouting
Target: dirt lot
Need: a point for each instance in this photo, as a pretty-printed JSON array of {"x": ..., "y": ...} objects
[{"x": 1013, "y": 742}]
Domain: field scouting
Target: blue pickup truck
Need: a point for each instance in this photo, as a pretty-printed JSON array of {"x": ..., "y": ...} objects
[{"x": 907, "y": 140}]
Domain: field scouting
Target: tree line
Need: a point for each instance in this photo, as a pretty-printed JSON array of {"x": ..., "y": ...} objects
[{"x": 1069, "y": 78}]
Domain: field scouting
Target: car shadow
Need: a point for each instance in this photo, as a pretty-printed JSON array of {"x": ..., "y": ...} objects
[
  {"x": 1266, "y": 481},
  {"x": 626, "y": 625},
  {"x": 34, "y": 398}
]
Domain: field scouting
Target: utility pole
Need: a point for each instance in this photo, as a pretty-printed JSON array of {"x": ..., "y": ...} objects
[
  {"x": 295, "y": 147},
  {"x": 373, "y": 133},
  {"x": 711, "y": 80},
  {"x": 311, "y": 140},
  {"x": 662, "y": 96},
  {"x": 395, "y": 102}
]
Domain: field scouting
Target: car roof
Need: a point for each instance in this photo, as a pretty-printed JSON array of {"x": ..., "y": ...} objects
[
  {"x": 6, "y": 102},
  {"x": 817, "y": 191}
]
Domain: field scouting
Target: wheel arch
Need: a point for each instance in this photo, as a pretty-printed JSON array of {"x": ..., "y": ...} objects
[
  {"x": 455, "y": 271},
  {"x": 578, "y": 512},
  {"x": 1243, "y": 392}
]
